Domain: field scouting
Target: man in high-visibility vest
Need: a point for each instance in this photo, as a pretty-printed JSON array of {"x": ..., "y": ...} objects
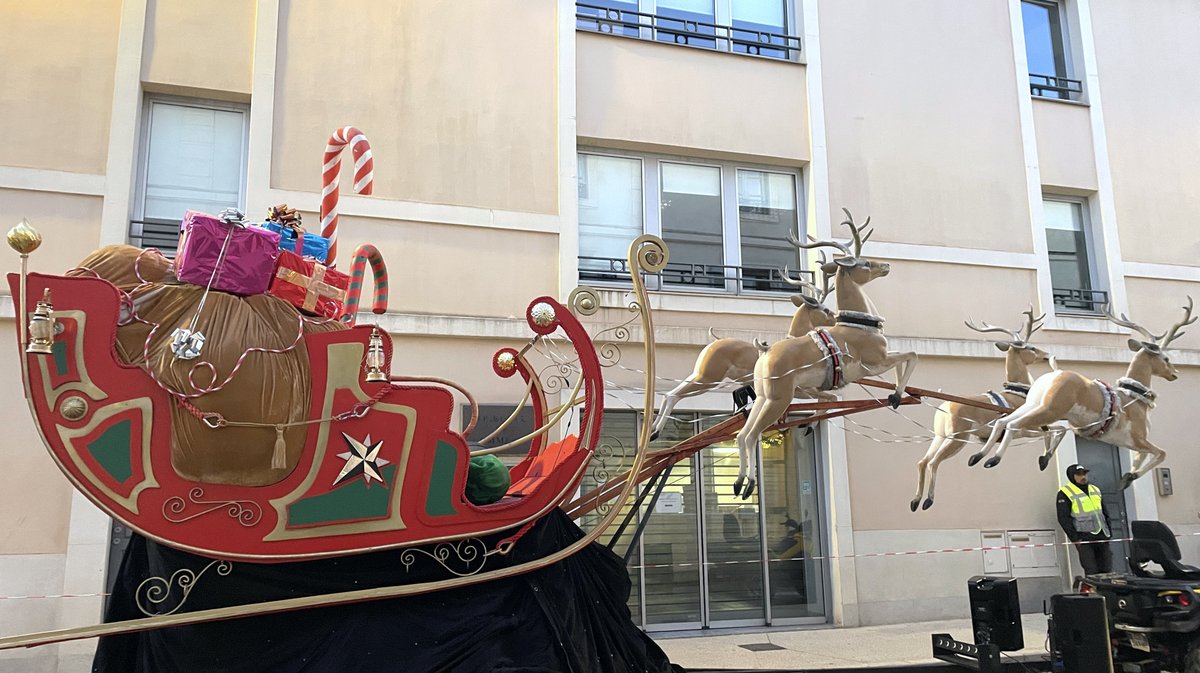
[{"x": 1083, "y": 519}]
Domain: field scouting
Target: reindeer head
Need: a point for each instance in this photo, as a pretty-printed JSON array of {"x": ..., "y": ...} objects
[
  {"x": 1018, "y": 344},
  {"x": 811, "y": 299},
  {"x": 1155, "y": 347},
  {"x": 852, "y": 265}
]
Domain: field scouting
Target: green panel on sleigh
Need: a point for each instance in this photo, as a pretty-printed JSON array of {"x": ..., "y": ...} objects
[
  {"x": 111, "y": 450},
  {"x": 440, "y": 501},
  {"x": 354, "y": 501}
]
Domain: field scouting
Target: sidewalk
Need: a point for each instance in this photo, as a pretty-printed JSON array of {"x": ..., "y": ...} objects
[{"x": 830, "y": 648}]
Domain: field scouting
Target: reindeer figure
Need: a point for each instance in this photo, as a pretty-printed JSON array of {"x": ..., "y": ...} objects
[
  {"x": 829, "y": 358},
  {"x": 955, "y": 424},
  {"x": 1117, "y": 415},
  {"x": 734, "y": 359}
]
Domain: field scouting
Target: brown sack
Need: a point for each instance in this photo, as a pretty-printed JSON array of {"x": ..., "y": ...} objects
[{"x": 269, "y": 388}]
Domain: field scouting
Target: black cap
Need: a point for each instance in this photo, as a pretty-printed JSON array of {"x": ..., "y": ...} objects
[{"x": 1076, "y": 469}]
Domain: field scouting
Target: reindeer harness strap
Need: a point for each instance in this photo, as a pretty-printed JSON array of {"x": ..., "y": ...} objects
[
  {"x": 998, "y": 399},
  {"x": 833, "y": 355},
  {"x": 1137, "y": 391},
  {"x": 860, "y": 320},
  {"x": 1112, "y": 408},
  {"x": 1019, "y": 389}
]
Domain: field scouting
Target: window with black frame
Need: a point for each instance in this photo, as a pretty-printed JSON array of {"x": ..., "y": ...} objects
[
  {"x": 1073, "y": 268},
  {"x": 1047, "y": 51},
  {"x": 727, "y": 225}
]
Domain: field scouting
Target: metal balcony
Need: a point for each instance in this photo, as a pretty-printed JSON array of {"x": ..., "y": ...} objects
[
  {"x": 1076, "y": 300},
  {"x": 614, "y": 21},
  {"x": 161, "y": 234},
  {"x": 683, "y": 276},
  {"x": 1051, "y": 86}
]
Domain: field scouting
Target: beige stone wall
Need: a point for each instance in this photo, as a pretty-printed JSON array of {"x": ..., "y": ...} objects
[
  {"x": 447, "y": 269},
  {"x": 921, "y": 121},
  {"x": 1065, "y": 153},
  {"x": 37, "y": 497},
  {"x": 457, "y": 98},
  {"x": 1151, "y": 93},
  {"x": 202, "y": 45},
  {"x": 69, "y": 224},
  {"x": 661, "y": 96},
  {"x": 56, "y": 83}
]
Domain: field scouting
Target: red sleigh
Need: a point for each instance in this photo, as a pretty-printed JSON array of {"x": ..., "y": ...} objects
[{"x": 108, "y": 426}]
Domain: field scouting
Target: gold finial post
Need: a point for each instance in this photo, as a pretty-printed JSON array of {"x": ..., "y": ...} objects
[{"x": 24, "y": 239}]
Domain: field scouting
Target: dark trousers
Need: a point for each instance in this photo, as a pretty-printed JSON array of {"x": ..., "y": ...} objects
[{"x": 1095, "y": 557}]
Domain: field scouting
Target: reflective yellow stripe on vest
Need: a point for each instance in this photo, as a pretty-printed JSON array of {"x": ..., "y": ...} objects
[{"x": 1086, "y": 509}]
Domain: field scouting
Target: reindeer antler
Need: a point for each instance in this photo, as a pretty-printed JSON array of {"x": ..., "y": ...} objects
[
  {"x": 857, "y": 232},
  {"x": 1016, "y": 338},
  {"x": 818, "y": 293},
  {"x": 1124, "y": 321},
  {"x": 1174, "y": 333},
  {"x": 1032, "y": 324},
  {"x": 842, "y": 247}
]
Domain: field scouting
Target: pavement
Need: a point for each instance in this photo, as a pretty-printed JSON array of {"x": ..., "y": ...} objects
[{"x": 829, "y": 648}]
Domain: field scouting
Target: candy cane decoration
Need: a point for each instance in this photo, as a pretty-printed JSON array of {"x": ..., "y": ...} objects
[
  {"x": 364, "y": 176},
  {"x": 358, "y": 271}
]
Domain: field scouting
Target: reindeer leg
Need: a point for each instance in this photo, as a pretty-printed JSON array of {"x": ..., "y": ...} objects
[
  {"x": 1018, "y": 423},
  {"x": 922, "y": 465},
  {"x": 1148, "y": 457},
  {"x": 1052, "y": 436},
  {"x": 998, "y": 427},
  {"x": 902, "y": 363},
  {"x": 766, "y": 412},
  {"x": 948, "y": 450},
  {"x": 686, "y": 388}
]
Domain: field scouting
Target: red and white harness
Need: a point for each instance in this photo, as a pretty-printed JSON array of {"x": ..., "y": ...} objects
[{"x": 834, "y": 378}]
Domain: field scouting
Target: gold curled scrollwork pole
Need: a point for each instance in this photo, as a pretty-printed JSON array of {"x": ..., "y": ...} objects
[{"x": 647, "y": 254}]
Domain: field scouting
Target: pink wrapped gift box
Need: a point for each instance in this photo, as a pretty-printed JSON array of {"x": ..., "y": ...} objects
[{"x": 249, "y": 261}]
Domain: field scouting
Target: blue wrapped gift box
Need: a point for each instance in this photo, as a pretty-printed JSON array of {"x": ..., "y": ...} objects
[{"x": 312, "y": 245}]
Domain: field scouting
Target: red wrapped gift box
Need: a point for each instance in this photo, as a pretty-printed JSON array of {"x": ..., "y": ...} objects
[{"x": 309, "y": 286}]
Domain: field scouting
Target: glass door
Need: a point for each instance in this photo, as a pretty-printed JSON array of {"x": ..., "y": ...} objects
[
  {"x": 794, "y": 513},
  {"x": 732, "y": 542}
]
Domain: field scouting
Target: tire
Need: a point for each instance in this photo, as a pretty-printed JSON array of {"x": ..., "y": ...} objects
[{"x": 1191, "y": 661}]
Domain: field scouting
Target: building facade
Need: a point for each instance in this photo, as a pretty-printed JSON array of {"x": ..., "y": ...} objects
[{"x": 1011, "y": 153}]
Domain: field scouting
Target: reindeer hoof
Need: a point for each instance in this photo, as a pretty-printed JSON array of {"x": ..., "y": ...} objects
[
  {"x": 654, "y": 435},
  {"x": 894, "y": 400},
  {"x": 992, "y": 462},
  {"x": 927, "y": 504},
  {"x": 737, "y": 486},
  {"x": 1043, "y": 461},
  {"x": 1127, "y": 480},
  {"x": 749, "y": 490},
  {"x": 975, "y": 458},
  {"x": 914, "y": 504}
]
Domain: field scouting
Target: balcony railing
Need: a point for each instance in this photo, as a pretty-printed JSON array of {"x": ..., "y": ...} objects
[
  {"x": 161, "y": 234},
  {"x": 1050, "y": 86},
  {"x": 1075, "y": 300},
  {"x": 686, "y": 276},
  {"x": 613, "y": 21}
]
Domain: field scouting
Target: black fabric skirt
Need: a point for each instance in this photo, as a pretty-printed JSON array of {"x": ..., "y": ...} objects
[{"x": 570, "y": 616}]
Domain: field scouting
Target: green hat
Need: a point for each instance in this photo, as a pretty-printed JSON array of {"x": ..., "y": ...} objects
[{"x": 487, "y": 480}]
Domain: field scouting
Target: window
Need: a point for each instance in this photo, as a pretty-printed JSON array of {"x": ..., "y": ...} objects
[
  {"x": 1073, "y": 272},
  {"x": 193, "y": 158},
  {"x": 727, "y": 225},
  {"x": 755, "y": 27},
  {"x": 1047, "y": 52}
]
